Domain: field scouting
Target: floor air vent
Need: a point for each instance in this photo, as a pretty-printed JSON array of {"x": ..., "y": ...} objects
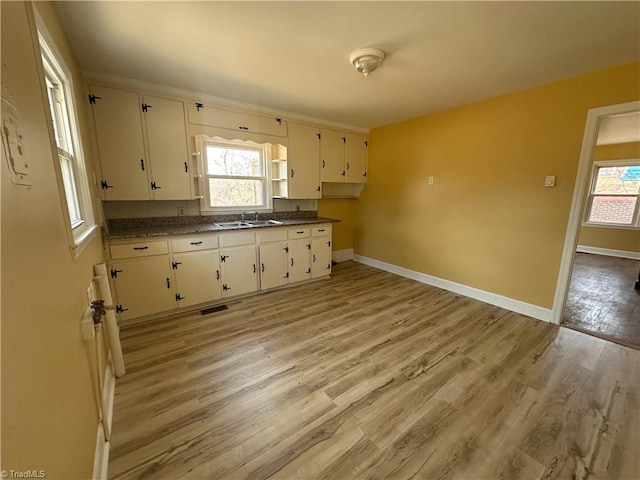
[{"x": 219, "y": 308}]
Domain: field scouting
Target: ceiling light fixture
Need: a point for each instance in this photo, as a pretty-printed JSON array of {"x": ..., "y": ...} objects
[{"x": 366, "y": 60}]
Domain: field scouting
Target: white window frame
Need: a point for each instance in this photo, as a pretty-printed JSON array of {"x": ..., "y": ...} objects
[
  {"x": 267, "y": 187},
  {"x": 589, "y": 203},
  {"x": 76, "y": 202}
]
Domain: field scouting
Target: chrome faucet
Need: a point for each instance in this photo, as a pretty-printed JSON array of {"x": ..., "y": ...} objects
[{"x": 244, "y": 215}]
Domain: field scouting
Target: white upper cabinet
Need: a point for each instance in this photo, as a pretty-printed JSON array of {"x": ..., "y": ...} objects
[
  {"x": 344, "y": 157},
  {"x": 123, "y": 123},
  {"x": 120, "y": 144},
  {"x": 333, "y": 150},
  {"x": 356, "y": 158},
  {"x": 303, "y": 161},
  {"x": 168, "y": 154},
  {"x": 207, "y": 115}
]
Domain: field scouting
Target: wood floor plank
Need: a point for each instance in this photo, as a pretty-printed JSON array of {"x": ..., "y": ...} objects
[{"x": 371, "y": 375}]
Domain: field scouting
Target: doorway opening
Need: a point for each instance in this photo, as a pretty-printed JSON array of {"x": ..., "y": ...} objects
[{"x": 601, "y": 256}]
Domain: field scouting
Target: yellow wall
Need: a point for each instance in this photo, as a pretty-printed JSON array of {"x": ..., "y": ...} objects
[
  {"x": 344, "y": 210},
  {"x": 49, "y": 414},
  {"x": 488, "y": 221},
  {"x": 613, "y": 238}
]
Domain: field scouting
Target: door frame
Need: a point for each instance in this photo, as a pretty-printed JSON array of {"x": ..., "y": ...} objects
[{"x": 594, "y": 116}]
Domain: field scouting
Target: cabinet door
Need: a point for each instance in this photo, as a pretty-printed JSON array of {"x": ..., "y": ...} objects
[
  {"x": 356, "y": 158},
  {"x": 333, "y": 147},
  {"x": 168, "y": 154},
  {"x": 274, "y": 270},
  {"x": 239, "y": 270},
  {"x": 303, "y": 160},
  {"x": 320, "y": 257},
  {"x": 143, "y": 286},
  {"x": 197, "y": 276},
  {"x": 299, "y": 259},
  {"x": 202, "y": 114},
  {"x": 118, "y": 129}
]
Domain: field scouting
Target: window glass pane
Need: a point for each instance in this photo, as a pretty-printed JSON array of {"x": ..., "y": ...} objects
[
  {"x": 615, "y": 209},
  {"x": 233, "y": 161},
  {"x": 68, "y": 179},
  {"x": 235, "y": 192},
  {"x": 618, "y": 180}
]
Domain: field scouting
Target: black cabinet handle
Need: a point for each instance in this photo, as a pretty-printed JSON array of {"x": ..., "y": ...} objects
[
  {"x": 243, "y": 128},
  {"x": 254, "y": 268},
  {"x": 292, "y": 173},
  {"x": 142, "y": 164},
  {"x": 314, "y": 258},
  {"x": 322, "y": 163},
  {"x": 217, "y": 274},
  {"x": 318, "y": 188},
  {"x": 262, "y": 268},
  {"x": 186, "y": 167},
  {"x": 300, "y": 232},
  {"x": 321, "y": 229},
  {"x": 196, "y": 243},
  {"x": 140, "y": 248},
  {"x": 347, "y": 165},
  {"x": 168, "y": 283},
  {"x": 292, "y": 261}
]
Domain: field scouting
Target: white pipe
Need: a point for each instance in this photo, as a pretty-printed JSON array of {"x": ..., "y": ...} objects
[{"x": 100, "y": 271}]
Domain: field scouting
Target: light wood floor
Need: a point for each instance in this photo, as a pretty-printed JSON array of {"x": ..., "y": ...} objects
[
  {"x": 371, "y": 375},
  {"x": 602, "y": 299}
]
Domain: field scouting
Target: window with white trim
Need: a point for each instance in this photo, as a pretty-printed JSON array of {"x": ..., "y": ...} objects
[
  {"x": 614, "y": 194},
  {"x": 71, "y": 172},
  {"x": 236, "y": 177}
]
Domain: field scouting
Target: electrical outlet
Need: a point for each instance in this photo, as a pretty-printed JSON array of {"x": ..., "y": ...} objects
[
  {"x": 430, "y": 181},
  {"x": 181, "y": 211}
]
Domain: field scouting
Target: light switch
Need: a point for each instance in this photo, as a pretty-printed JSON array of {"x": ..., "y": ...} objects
[
  {"x": 430, "y": 181},
  {"x": 550, "y": 181}
]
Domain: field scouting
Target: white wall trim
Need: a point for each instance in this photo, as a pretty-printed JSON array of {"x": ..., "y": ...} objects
[
  {"x": 188, "y": 94},
  {"x": 592, "y": 125},
  {"x": 608, "y": 252},
  {"x": 101, "y": 457},
  {"x": 342, "y": 255},
  {"x": 517, "y": 306}
]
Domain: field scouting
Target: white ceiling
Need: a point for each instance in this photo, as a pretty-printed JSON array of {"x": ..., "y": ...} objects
[{"x": 294, "y": 56}]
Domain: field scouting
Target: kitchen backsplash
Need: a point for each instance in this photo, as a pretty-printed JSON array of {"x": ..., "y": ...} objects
[{"x": 172, "y": 208}]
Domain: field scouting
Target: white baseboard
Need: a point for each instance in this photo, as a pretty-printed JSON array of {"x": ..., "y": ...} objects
[
  {"x": 101, "y": 458},
  {"x": 608, "y": 252},
  {"x": 517, "y": 306},
  {"x": 342, "y": 255}
]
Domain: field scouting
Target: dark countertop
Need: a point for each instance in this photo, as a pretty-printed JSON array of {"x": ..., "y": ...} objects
[{"x": 124, "y": 232}]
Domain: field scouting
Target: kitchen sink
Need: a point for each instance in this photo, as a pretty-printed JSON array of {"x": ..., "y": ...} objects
[
  {"x": 237, "y": 224},
  {"x": 262, "y": 223},
  {"x": 242, "y": 224}
]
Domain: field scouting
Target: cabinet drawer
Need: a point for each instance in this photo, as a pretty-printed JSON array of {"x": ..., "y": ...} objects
[
  {"x": 302, "y": 232},
  {"x": 268, "y": 235},
  {"x": 133, "y": 250},
  {"x": 321, "y": 230},
  {"x": 234, "y": 239},
  {"x": 193, "y": 244}
]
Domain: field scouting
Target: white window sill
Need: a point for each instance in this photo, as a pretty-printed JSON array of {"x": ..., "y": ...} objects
[{"x": 82, "y": 236}]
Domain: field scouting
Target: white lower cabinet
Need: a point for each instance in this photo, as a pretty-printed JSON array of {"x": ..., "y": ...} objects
[
  {"x": 299, "y": 259},
  {"x": 143, "y": 286},
  {"x": 320, "y": 257},
  {"x": 157, "y": 276},
  {"x": 197, "y": 277},
  {"x": 274, "y": 268},
  {"x": 239, "y": 270}
]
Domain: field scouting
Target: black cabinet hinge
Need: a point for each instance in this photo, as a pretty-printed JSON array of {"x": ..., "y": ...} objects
[
  {"x": 225, "y": 287},
  {"x": 93, "y": 98},
  {"x": 223, "y": 258},
  {"x": 104, "y": 184},
  {"x": 174, "y": 265},
  {"x": 199, "y": 106},
  {"x": 319, "y": 136},
  {"x": 344, "y": 139},
  {"x": 114, "y": 273},
  {"x": 279, "y": 121},
  {"x": 146, "y": 107},
  {"x": 120, "y": 309},
  {"x": 366, "y": 144},
  {"x": 154, "y": 186},
  {"x": 178, "y": 297}
]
